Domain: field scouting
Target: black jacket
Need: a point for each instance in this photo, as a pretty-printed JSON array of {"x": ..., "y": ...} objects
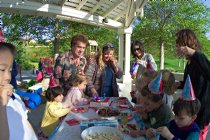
[{"x": 199, "y": 71}]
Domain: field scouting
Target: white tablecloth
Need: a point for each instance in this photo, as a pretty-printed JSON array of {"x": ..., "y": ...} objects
[{"x": 66, "y": 132}]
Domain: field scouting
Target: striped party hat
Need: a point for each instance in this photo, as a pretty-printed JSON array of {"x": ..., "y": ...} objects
[
  {"x": 155, "y": 86},
  {"x": 188, "y": 92}
]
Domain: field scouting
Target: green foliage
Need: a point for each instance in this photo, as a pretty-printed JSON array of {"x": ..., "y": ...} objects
[
  {"x": 30, "y": 83},
  {"x": 39, "y": 52},
  {"x": 163, "y": 19},
  {"x": 101, "y": 35},
  {"x": 22, "y": 57}
]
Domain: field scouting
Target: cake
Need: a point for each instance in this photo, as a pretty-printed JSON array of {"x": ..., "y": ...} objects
[{"x": 101, "y": 103}]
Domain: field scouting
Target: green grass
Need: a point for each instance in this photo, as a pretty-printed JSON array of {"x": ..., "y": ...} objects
[{"x": 173, "y": 64}]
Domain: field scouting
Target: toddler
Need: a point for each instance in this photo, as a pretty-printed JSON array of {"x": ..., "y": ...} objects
[
  {"x": 54, "y": 110},
  {"x": 75, "y": 95}
]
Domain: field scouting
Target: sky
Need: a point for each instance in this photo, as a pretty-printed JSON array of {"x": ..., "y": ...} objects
[{"x": 207, "y": 2}]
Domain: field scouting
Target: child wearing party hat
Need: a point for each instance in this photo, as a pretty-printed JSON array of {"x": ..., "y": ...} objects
[
  {"x": 155, "y": 112},
  {"x": 186, "y": 109}
]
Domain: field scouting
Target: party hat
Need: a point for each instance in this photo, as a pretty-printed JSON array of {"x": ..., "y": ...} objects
[
  {"x": 149, "y": 66},
  {"x": 52, "y": 82},
  {"x": 188, "y": 92},
  {"x": 1, "y": 32},
  {"x": 155, "y": 86},
  {"x": 1, "y": 36}
]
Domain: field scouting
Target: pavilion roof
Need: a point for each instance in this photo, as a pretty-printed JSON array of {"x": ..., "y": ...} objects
[{"x": 110, "y": 13}]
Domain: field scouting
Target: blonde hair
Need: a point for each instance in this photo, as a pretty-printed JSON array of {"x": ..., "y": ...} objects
[
  {"x": 99, "y": 57},
  {"x": 99, "y": 60},
  {"x": 75, "y": 79}
]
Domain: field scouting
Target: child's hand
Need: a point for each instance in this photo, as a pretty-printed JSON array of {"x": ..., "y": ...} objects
[
  {"x": 86, "y": 101},
  {"x": 142, "y": 113},
  {"x": 137, "y": 133},
  {"x": 134, "y": 133},
  {"x": 5, "y": 93},
  {"x": 150, "y": 133},
  {"x": 165, "y": 132}
]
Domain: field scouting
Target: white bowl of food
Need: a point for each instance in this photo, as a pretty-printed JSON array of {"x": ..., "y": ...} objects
[{"x": 101, "y": 132}]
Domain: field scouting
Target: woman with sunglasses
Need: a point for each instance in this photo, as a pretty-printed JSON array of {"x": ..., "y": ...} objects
[
  {"x": 142, "y": 61},
  {"x": 103, "y": 71},
  {"x": 141, "y": 58}
]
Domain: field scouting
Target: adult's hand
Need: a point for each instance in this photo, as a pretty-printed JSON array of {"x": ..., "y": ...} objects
[
  {"x": 113, "y": 61},
  {"x": 94, "y": 92},
  {"x": 185, "y": 51}
]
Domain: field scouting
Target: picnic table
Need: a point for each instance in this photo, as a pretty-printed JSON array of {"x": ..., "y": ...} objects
[{"x": 73, "y": 132}]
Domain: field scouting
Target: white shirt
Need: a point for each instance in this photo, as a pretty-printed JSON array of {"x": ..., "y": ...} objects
[{"x": 19, "y": 127}]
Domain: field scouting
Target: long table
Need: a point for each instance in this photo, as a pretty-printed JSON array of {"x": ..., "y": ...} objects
[{"x": 66, "y": 132}]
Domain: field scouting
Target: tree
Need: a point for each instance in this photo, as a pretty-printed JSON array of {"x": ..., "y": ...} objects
[
  {"x": 163, "y": 19},
  {"x": 39, "y": 28},
  {"x": 58, "y": 31}
]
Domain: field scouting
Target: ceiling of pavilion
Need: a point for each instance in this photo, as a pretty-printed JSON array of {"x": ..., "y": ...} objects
[{"x": 119, "y": 13}]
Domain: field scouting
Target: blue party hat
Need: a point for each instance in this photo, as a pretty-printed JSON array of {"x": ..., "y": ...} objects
[
  {"x": 155, "y": 86},
  {"x": 188, "y": 92}
]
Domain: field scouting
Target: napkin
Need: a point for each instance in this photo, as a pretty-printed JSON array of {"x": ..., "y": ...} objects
[
  {"x": 73, "y": 122},
  {"x": 94, "y": 108}
]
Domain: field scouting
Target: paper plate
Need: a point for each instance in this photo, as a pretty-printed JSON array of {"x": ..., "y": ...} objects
[
  {"x": 124, "y": 106},
  {"x": 79, "y": 109},
  {"x": 109, "y": 117},
  {"x": 99, "y": 132}
]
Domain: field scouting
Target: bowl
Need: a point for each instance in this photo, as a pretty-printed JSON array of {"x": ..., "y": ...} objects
[{"x": 101, "y": 132}]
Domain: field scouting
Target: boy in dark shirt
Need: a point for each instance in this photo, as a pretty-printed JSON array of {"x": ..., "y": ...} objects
[{"x": 186, "y": 109}]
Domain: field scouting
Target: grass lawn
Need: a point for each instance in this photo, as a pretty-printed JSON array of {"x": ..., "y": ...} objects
[
  {"x": 34, "y": 64},
  {"x": 173, "y": 64}
]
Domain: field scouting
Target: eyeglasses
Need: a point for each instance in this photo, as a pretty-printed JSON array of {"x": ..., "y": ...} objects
[{"x": 136, "y": 49}]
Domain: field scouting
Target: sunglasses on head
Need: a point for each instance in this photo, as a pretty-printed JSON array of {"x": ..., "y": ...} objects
[{"x": 108, "y": 46}]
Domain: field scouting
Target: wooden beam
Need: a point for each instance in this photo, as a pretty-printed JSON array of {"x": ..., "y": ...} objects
[
  {"x": 53, "y": 10},
  {"x": 124, "y": 12},
  {"x": 112, "y": 8},
  {"x": 97, "y": 6},
  {"x": 127, "y": 11},
  {"x": 134, "y": 9},
  {"x": 81, "y": 4},
  {"x": 120, "y": 15}
]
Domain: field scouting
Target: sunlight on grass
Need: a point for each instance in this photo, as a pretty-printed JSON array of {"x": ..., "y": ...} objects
[
  {"x": 173, "y": 64},
  {"x": 34, "y": 64}
]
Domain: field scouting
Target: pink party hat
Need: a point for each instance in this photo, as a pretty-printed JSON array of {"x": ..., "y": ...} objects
[
  {"x": 52, "y": 82},
  {"x": 1, "y": 36},
  {"x": 155, "y": 86},
  {"x": 149, "y": 66},
  {"x": 188, "y": 92}
]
